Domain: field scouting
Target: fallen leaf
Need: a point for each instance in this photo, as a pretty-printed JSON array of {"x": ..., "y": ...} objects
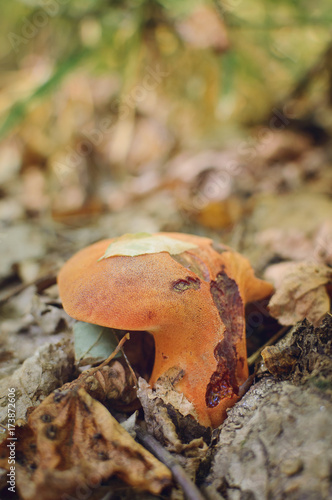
[
  {"x": 144, "y": 243},
  {"x": 300, "y": 291},
  {"x": 113, "y": 383},
  {"x": 76, "y": 443},
  {"x": 93, "y": 343},
  {"x": 21, "y": 242},
  {"x": 293, "y": 226},
  {"x": 48, "y": 315},
  {"x": 47, "y": 369}
]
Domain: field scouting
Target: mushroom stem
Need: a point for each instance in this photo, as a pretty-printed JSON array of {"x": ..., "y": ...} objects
[{"x": 193, "y": 345}]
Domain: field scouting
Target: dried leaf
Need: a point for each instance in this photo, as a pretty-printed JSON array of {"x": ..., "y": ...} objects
[
  {"x": 295, "y": 227},
  {"x": 144, "y": 243},
  {"x": 113, "y": 382},
  {"x": 300, "y": 292},
  {"x": 78, "y": 442},
  {"x": 49, "y": 368},
  {"x": 93, "y": 343},
  {"x": 48, "y": 315},
  {"x": 22, "y": 242}
]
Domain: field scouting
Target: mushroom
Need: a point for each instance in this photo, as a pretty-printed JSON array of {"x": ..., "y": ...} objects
[{"x": 190, "y": 297}]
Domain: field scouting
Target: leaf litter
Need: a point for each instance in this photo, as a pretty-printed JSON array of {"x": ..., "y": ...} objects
[
  {"x": 301, "y": 291},
  {"x": 77, "y": 441},
  {"x": 286, "y": 228}
]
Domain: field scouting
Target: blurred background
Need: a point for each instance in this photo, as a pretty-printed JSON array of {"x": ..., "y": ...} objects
[
  {"x": 206, "y": 117},
  {"x": 197, "y": 116}
]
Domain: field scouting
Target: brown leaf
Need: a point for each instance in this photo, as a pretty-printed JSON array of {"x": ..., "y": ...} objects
[
  {"x": 76, "y": 443},
  {"x": 300, "y": 292},
  {"x": 111, "y": 382},
  {"x": 47, "y": 369}
]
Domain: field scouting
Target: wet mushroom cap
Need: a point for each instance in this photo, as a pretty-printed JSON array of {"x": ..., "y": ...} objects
[{"x": 183, "y": 301}]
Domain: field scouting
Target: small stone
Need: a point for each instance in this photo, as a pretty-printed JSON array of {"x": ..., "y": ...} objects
[{"x": 291, "y": 466}]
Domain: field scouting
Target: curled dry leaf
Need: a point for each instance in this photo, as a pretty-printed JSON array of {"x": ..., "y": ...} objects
[
  {"x": 113, "y": 382},
  {"x": 300, "y": 292},
  {"x": 49, "y": 368},
  {"x": 76, "y": 442}
]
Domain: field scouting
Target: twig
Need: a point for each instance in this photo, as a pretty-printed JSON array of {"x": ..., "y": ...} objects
[
  {"x": 128, "y": 363},
  {"x": 254, "y": 357},
  {"x": 246, "y": 385},
  {"x": 189, "y": 488},
  {"x": 41, "y": 283},
  {"x": 320, "y": 65},
  {"x": 110, "y": 357}
]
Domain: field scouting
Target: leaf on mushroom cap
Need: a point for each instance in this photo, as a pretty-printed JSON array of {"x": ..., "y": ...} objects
[
  {"x": 122, "y": 292},
  {"x": 131, "y": 245}
]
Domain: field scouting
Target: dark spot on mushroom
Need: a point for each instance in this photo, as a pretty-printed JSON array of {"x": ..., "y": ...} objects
[
  {"x": 188, "y": 284},
  {"x": 46, "y": 418},
  {"x": 164, "y": 356},
  {"x": 102, "y": 456},
  {"x": 226, "y": 296},
  {"x": 51, "y": 432},
  {"x": 98, "y": 435}
]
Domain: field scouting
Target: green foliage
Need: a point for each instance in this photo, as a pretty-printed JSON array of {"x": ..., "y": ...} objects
[
  {"x": 93, "y": 343},
  {"x": 271, "y": 45}
]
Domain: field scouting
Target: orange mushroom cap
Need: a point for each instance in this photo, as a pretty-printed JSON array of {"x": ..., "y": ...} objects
[{"x": 192, "y": 303}]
